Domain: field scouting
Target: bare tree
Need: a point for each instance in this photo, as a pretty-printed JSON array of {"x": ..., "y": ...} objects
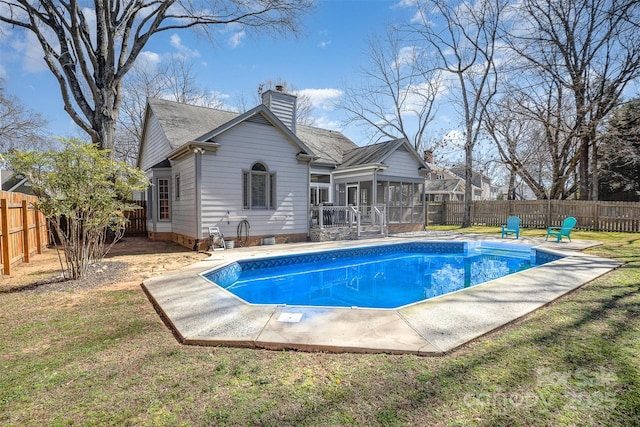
[
  {"x": 90, "y": 50},
  {"x": 398, "y": 94},
  {"x": 517, "y": 141},
  {"x": 465, "y": 38},
  {"x": 592, "y": 49},
  {"x": 304, "y": 109},
  {"x": 535, "y": 140},
  {"x": 19, "y": 127},
  {"x": 175, "y": 80}
]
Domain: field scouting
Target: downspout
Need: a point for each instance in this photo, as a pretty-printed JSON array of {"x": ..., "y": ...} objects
[
  {"x": 302, "y": 156},
  {"x": 374, "y": 194},
  {"x": 198, "y": 152},
  {"x": 308, "y": 200}
]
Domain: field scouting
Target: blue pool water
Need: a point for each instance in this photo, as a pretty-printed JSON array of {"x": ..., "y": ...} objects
[{"x": 385, "y": 276}]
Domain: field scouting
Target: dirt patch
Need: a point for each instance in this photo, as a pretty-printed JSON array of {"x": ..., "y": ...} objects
[{"x": 129, "y": 262}]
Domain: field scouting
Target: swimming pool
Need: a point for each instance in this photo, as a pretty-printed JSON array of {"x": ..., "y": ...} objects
[{"x": 383, "y": 276}]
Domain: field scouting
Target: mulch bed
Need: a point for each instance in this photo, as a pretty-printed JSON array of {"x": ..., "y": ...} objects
[{"x": 98, "y": 274}]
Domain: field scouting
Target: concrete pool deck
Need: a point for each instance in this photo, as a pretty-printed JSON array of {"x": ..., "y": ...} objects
[{"x": 201, "y": 313}]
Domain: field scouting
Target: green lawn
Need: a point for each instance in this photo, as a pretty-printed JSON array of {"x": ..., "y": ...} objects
[{"x": 103, "y": 357}]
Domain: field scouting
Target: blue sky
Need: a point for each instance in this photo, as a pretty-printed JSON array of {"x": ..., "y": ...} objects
[{"x": 323, "y": 59}]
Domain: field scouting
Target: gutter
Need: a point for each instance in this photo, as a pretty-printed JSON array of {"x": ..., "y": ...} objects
[{"x": 193, "y": 147}]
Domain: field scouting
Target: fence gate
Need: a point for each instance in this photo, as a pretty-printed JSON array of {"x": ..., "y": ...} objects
[{"x": 137, "y": 225}]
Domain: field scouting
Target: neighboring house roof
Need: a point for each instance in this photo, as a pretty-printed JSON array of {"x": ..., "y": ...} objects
[
  {"x": 444, "y": 186},
  {"x": 446, "y": 173},
  {"x": 476, "y": 177},
  {"x": 15, "y": 183},
  {"x": 183, "y": 123}
]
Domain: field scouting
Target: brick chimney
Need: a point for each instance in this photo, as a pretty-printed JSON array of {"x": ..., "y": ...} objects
[{"x": 282, "y": 104}]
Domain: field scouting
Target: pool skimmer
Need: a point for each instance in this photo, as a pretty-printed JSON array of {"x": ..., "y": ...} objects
[{"x": 290, "y": 317}]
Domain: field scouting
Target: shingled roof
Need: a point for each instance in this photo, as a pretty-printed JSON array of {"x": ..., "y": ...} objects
[
  {"x": 370, "y": 154},
  {"x": 182, "y": 123}
]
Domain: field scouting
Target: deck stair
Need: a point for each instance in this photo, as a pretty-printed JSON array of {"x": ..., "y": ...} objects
[{"x": 370, "y": 232}]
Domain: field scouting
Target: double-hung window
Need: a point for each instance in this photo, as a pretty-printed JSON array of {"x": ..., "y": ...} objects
[
  {"x": 259, "y": 187},
  {"x": 163, "y": 199}
]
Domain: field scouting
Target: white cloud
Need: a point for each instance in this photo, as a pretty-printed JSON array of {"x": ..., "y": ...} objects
[
  {"x": 406, "y": 3},
  {"x": 406, "y": 56},
  {"x": 323, "y": 44},
  {"x": 148, "y": 60},
  {"x": 90, "y": 17},
  {"x": 31, "y": 52},
  {"x": 325, "y": 122},
  {"x": 234, "y": 34},
  {"x": 454, "y": 137},
  {"x": 236, "y": 39},
  {"x": 176, "y": 42},
  {"x": 321, "y": 98}
]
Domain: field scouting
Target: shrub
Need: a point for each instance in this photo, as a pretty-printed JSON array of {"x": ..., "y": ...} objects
[{"x": 83, "y": 192}]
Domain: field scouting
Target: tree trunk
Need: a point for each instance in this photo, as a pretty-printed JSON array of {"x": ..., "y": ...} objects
[
  {"x": 468, "y": 190},
  {"x": 511, "y": 192},
  {"x": 106, "y": 126},
  {"x": 583, "y": 193},
  {"x": 594, "y": 168}
]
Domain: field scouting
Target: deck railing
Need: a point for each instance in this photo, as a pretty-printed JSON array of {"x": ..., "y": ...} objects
[{"x": 327, "y": 216}]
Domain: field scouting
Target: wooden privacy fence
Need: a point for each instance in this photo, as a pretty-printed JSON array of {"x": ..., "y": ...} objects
[
  {"x": 23, "y": 230},
  {"x": 591, "y": 215},
  {"x": 137, "y": 225}
]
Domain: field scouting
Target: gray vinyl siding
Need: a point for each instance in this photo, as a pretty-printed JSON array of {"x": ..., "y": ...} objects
[
  {"x": 401, "y": 163},
  {"x": 155, "y": 146},
  {"x": 222, "y": 198},
  {"x": 183, "y": 210},
  {"x": 283, "y": 105}
]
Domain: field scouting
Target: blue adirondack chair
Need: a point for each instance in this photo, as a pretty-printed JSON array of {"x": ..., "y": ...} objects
[
  {"x": 565, "y": 230},
  {"x": 511, "y": 227}
]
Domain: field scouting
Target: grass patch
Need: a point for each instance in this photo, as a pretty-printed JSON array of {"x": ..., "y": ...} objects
[{"x": 103, "y": 357}]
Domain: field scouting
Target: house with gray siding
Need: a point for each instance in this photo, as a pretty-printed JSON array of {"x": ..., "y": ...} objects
[{"x": 259, "y": 174}]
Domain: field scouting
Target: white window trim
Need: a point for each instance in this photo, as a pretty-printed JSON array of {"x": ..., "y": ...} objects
[
  {"x": 270, "y": 190},
  {"x": 168, "y": 198}
]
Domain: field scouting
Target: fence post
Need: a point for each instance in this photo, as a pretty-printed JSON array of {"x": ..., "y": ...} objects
[
  {"x": 25, "y": 230},
  {"x": 444, "y": 213},
  {"x": 4, "y": 213},
  {"x": 473, "y": 212},
  {"x": 38, "y": 231}
]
